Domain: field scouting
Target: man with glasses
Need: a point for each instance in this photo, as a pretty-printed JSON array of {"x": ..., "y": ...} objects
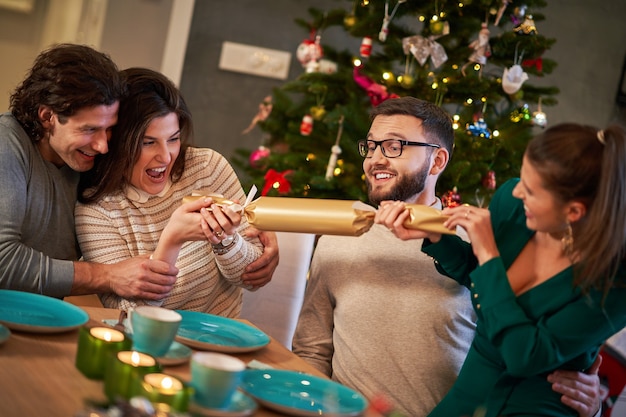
[{"x": 377, "y": 316}]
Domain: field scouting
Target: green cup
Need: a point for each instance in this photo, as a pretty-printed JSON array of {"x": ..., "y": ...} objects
[
  {"x": 154, "y": 329},
  {"x": 215, "y": 378}
]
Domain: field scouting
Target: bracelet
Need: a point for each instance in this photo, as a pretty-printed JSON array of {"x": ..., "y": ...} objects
[{"x": 225, "y": 245}]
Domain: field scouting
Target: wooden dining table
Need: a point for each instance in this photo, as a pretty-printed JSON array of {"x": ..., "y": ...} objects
[{"x": 38, "y": 376}]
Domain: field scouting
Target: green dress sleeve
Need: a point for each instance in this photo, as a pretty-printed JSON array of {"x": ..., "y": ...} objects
[
  {"x": 453, "y": 257},
  {"x": 544, "y": 328}
]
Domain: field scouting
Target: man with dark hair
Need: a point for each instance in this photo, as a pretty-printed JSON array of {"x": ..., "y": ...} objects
[
  {"x": 377, "y": 315},
  {"x": 61, "y": 119}
]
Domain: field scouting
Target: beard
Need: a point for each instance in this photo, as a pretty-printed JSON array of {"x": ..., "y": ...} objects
[{"x": 406, "y": 186}]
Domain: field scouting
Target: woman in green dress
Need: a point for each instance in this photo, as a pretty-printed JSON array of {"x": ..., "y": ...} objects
[{"x": 546, "y": 269}]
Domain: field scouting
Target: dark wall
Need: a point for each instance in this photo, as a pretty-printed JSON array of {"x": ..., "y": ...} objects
[
  {"x": 589, "y": 50},
  {"x": 224, "y": 102}
]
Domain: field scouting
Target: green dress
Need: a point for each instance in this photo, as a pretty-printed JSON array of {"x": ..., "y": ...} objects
[{"x": 521, "y": 339}]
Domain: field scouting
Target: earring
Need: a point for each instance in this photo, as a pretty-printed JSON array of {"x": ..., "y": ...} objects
[{"x": 567, "y": 241}]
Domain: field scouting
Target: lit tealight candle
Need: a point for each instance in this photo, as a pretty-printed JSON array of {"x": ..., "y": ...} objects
[
  {"x": 95, "y": 346},
  {"x": 136, "y": 359},
  {"x": 161, "y": 389},
  {"x": 108, "y": 335},
  {"x": 163, "y": 383},
  {"x": 123, "y": 369}
]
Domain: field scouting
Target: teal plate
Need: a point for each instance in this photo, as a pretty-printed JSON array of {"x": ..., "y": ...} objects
[
  {"x": 176, "y": 355},
  {"x": 298, "y": 394},
  {"x": 38, "y": 313},
  {"x": 241, "y": 406},
  {"x": 220, "y": 334},
  {"x": 4, "y": 334}
]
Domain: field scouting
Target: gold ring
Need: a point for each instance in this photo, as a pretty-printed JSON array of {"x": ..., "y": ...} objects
[{"x": 218, "y": 234}]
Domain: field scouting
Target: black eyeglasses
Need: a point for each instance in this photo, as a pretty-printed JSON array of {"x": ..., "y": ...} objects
[{"x": 391, "y": 148}]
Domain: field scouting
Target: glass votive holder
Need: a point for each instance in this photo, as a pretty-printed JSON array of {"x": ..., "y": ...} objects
[
  {"x": 123, "y": 369},
  {"x": 164, "y": 391},
  {"x": 95, "y": 346}
]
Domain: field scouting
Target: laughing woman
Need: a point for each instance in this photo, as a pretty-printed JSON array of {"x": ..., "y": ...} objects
[
  {"x": 546, "y": 268},
  {"x": 131, "y": 203}
]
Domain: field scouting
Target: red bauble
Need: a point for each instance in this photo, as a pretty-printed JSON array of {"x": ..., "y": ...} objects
[
  {"x": 489, "y": 180},
  {"x": 257, "y": 156},
  {"x": 306, "y": 126},
  {"x": 451, "y": 198}
]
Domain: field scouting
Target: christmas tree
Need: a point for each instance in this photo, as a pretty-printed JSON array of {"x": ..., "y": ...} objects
[{"x": 475, "y": 58}]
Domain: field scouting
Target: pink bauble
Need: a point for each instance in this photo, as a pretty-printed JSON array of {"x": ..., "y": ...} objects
[{"x": 257, "y": 155}]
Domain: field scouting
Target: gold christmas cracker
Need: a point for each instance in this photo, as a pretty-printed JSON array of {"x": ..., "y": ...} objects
[
  {"x": 426, "y": 218},
  {"x": 303, "y": 215},
  {"x": 217, "y": 199},
  {"x": 324, "y": 216},
  {"x": 310, "y": 215}
]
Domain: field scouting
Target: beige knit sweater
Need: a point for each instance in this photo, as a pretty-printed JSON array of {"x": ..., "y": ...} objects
[{"x": 129, "y": 224}]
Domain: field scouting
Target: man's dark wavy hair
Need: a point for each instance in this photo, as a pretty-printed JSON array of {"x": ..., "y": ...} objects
[{"x": 66, "y": 78}]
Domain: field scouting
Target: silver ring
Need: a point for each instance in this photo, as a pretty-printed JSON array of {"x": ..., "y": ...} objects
[
  {"x": 467, "y": 213},
  {"x": 218, "y": 234}
]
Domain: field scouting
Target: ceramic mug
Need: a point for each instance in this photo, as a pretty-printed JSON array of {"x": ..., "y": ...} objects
[
  {"x": 215, "y": 378},
  {"x": 154, "y": 329}
]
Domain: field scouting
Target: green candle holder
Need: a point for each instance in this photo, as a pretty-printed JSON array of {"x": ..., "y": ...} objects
[
  {"x": 96, "y": 346},
  {"x": 164, "y": 391},
  {"x": 123, "y": 369}
]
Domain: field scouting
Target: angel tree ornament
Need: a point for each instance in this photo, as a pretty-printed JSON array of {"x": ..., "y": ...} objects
[
  {"x": 309, "y": 53},
  {"x": 481, "y": 47},
  {"x": 265, "y": 109}
]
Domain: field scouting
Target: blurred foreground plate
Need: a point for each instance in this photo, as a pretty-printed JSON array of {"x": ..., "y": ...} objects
[
  {"x": 4, "y": 334},
  {"x": 240, "y": 406},
  {"x": 38, "y": 313},
  {"x": 220, "y": 334},
  {"x": 298, "y": 394}
]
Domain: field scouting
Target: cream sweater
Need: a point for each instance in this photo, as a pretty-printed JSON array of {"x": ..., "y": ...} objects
[
  {"x": 379, "y": 318},
  {"x": 128, "y": 224}
]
